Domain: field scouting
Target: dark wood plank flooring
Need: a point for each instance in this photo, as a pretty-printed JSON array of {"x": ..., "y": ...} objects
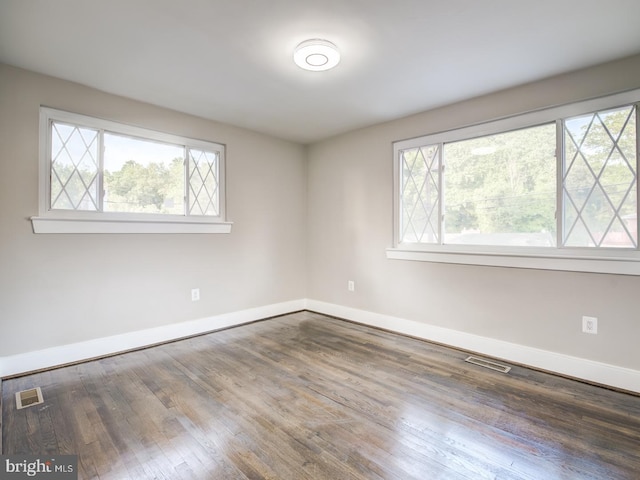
[{"x": 306, "y": 396}]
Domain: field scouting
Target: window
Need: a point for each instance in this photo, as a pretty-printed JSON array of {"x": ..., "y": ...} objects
[
  {"x": 558, "y": 185},
  {"x": 102, "y": 176},
  {"x": 501, "y": 189},
  {"x": 599, "y": 179}
]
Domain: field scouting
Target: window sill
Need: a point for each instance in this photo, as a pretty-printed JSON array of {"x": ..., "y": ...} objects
[
  {"x": 85, "y": 225},
  {"x": 612, "y": 261}
]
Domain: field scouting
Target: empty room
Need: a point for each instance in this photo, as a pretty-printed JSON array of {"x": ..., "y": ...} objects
[{"x": 343, "y": 239}]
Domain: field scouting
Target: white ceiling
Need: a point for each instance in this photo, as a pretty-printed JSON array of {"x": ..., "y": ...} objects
[{"x": 231, "y": 60}]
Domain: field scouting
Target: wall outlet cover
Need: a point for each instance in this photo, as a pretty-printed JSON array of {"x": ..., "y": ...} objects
[{"x": 590, "y": 325}]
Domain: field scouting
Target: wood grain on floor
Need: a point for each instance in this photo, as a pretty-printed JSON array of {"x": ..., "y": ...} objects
[{"x": 305, "y": 396}]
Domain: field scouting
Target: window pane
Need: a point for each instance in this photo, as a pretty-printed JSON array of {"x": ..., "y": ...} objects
[
  {"x": 420, "y": 197},
  {"x": 500, "y": 189},
  {"x": 74, "y": 167},
  {"x": 203, "y": 183},
  {"x": 599, "y": 180},
  {"x": 143, "y": 176}
]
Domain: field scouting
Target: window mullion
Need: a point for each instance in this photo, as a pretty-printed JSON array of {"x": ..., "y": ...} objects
[
  {"x": 187, "y": 176},
  {"x": 101, "y": 191},
  {"x": 49, "y": 165},
  {"x": 637, "y": 105},
  {"x": 399, "y": 199},
  {"x": 441, "y": 170},
  {"x": 560, "y": 163}
]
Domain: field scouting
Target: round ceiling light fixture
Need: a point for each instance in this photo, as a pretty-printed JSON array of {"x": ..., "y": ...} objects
[{"x": 316, "y": 55}]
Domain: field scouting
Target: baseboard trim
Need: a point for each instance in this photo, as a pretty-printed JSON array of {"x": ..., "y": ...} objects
[
  {"x": 23, "y": 363},
  {"x": 587, "y": 370},
  {"x": 590, "y": 371}
]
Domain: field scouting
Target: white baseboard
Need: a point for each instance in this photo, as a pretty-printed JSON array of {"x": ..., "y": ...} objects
[
  {"x": 580, "y": 368},
  {"x": 601, "y": 373},
  {"x": 99, "y": 347}
]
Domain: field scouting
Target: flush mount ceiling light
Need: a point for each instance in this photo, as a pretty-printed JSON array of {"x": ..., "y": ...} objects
[{"x": 316, "y": 55}]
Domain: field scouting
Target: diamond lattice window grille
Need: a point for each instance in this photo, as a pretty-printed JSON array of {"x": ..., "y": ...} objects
[
  {"x": 420, "y": 194},
  {"x": 600, "y": 180},
  {"x": 74, "y": 167},
  {"x": 203, "y": 183}
]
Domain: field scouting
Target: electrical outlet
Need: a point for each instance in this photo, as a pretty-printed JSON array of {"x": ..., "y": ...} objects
[
  {"x": 351, "y": 286},
  {"x": 195, "y": 294},
  {"x": 590, "y": 325}
]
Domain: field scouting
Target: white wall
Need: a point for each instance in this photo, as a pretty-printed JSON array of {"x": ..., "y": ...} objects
[
  {"x": 350, "y": 226},
  {"x": 62, "y": 289}
]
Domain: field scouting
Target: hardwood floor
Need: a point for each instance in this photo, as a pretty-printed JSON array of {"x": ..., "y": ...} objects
[{"x": 306, "y": 396}]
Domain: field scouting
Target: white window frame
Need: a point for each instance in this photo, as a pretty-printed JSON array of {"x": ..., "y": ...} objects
[
  {"x": 597, "y": 260},
  {"x": 75, "y": 221}
]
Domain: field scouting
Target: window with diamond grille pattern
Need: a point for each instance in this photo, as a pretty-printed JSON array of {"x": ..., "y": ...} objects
[
  {"x": 505, "y": 187},
  {"x": 118, "y": 171},
  {"x": 600, "y": 180},
  {"x": 203, "y": 182},
  {"x": 420, "y": 195},
  {"x": 74, "y": 167}
]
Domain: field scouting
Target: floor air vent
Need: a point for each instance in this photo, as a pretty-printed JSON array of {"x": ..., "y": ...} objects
[
  {"x": 498, "y": 367},
  {"x": 28, "y": 398}
]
